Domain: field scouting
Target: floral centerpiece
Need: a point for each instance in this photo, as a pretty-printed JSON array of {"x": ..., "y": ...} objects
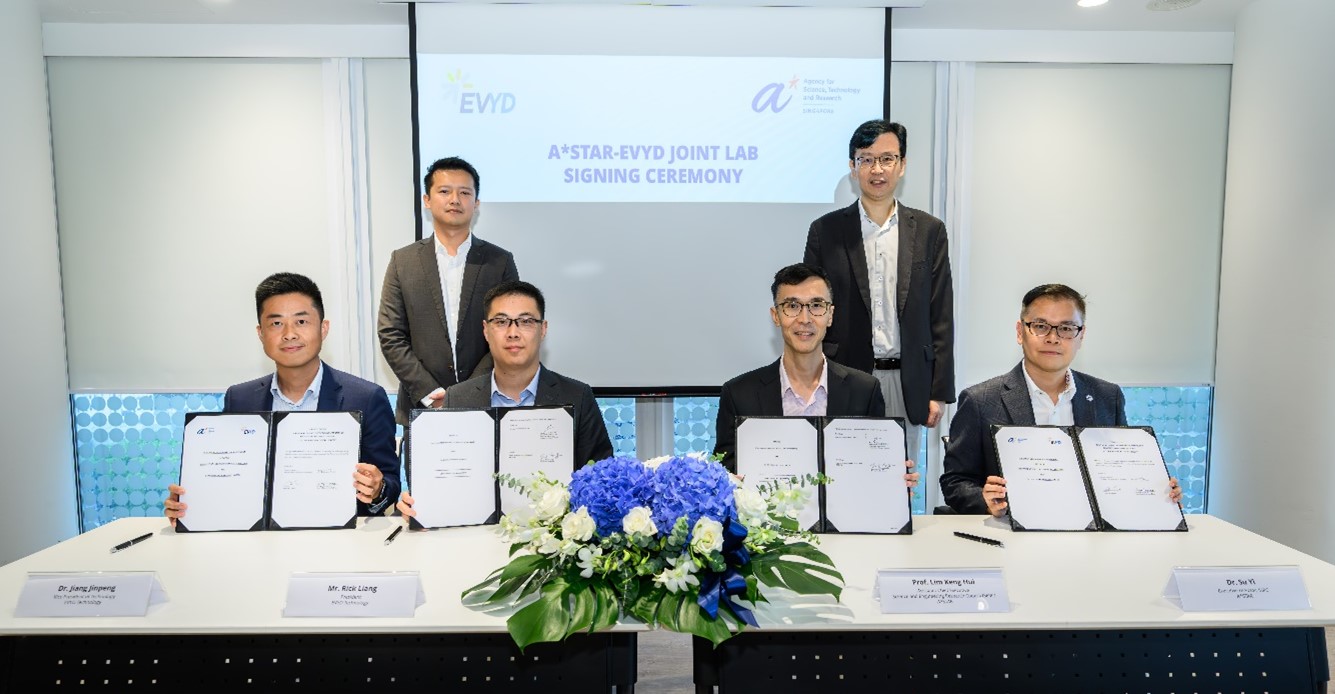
[{"x": 674, "y": 542}]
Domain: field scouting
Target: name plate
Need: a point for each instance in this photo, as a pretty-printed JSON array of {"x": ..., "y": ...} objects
[
  {"x": 916, "y": 591},
  {"x": 1232, "y": 588},
  {"x": 89, "y": 594},
  {"x": 387, "y": 594}
]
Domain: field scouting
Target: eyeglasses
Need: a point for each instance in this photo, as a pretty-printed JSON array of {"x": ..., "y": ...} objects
[
  {"x": 885, "y": 160},
  {"x": 1065, "y": 331},
  {"x": 793, "y": 307},
  {"x": 525, "y": 323}
]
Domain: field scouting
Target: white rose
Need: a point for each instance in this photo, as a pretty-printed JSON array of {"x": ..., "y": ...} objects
[
  {"x": 640, "y": 521},
  {"x": 578, "y": 526},
  {"x": 707, "y": 536},
  {"x": 553, "y": 503},
  {"x": 751, "y": 506}
]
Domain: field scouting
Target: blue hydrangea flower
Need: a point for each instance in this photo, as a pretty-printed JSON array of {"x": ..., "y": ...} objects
[
  {"x": 610, "y": 488},
  {"x": 691, "y": 487}
]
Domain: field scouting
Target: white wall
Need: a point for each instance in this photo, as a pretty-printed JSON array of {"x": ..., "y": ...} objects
[
  {"x": 37, "y": 456},
  {"x": 181, "y": 184},
  {"x": 1109, "y": 178},
  {"x": 1272, "y": 469}
]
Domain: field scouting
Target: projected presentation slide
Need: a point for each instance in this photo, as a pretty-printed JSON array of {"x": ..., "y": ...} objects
[{"x": 566, "y": 128}]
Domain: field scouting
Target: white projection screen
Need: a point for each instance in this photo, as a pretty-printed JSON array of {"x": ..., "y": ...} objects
[{"x": 650, "y": 167}]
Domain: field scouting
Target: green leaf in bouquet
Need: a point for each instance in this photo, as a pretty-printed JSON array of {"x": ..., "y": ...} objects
[
  {"x": 669, "y": 607},
  {"x": 692, "y": 619},
  {"x": 645, "y": 606},
  {"x": 802, "y": 577},
  {"x": 583, "y": 606},
  {"x": 524, "y": 565},
  {"x": 607, "y": 609},
  {"x": 490, "y": 579},
  {"x": 545, "y": 619}
]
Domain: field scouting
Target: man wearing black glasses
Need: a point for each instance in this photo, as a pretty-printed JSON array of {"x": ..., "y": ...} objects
[
  {"x": 889, "y": 266},
  {"x": 1041, "y": 389},
  {"x": 802, "y": 382}
]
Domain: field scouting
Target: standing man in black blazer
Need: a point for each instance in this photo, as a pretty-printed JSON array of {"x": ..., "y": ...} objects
[
  {"x": 292, "y": 328},
  {"x": 802, "y": 383},
  {"x": 889, "y": 266},
  {"x": 431, "y": 307},
  {"x": 515, "y": 327},
  {"x": 1041, "y": 389}
]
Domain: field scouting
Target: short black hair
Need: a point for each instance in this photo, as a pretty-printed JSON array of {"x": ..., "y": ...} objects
[
  {"x": 286, "y": 283},
  {"x": 451, "y": 164},
  {"x": 516, "y": 287},
  {"x": 797, "y": 274},
  {"x": 866, "y": 134},
  {"x": 1056, "y": 292}
]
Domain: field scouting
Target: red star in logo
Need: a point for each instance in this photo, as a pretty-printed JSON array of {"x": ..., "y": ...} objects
[{"x": 792, "y": 82}]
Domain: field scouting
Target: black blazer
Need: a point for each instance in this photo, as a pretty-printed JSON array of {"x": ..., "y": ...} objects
[
  {"x": 591, "y": 440},
  {"x": 970, "y": 455},
  {"x": 850, "y": 393},
  {"x": 414, "y": 336},
  {"x": 339, "y": 392},
  {"x": 925, "y": 303}
]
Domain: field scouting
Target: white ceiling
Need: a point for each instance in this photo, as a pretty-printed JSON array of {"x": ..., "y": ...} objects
[{"x": 1117, "y": 15}]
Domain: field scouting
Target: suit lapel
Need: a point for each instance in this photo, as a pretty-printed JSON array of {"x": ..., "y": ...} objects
[
  {"x": 908, "y": 224},
  {"x": 1083, "y": 405},
  {"x": 426, "y": 257},
  {"x": 331, "y": 392},
  {"x": 857, "y": 254},
  {"x": 770, "y": 399},
  {"x": 549, "y": 389},
  {"x": 837, "y": 397},
  {"x": 264, "y": 394},
  {"x": 468, "y": 290},
  {"x": 1015, "y": 398}
]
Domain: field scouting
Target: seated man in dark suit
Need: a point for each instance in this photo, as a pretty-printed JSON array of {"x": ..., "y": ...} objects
[
  {"x": 514, "y": 328},
  {"x": 1041, "y": 389},
  {"x": 802, "y": 382},
  {"x": 292, "y": 328}
]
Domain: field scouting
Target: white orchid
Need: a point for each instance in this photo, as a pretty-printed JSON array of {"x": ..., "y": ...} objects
[
  {"x": 680, "y": 577},
  {"x": 587, "y": 556}
]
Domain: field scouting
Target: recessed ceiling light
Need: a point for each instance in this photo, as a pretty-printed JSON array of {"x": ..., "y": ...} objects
[{"x": 1090, "y": 3}]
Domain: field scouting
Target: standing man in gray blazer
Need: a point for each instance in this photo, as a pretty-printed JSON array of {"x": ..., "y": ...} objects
[
  {"x": 1041, "y": 389},
  {"x": 889, "y": 265},
  {"x": 431, "y": 308}
]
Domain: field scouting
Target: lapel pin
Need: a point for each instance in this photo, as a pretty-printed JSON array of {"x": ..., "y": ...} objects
[{"x": 1089, "y": 398}]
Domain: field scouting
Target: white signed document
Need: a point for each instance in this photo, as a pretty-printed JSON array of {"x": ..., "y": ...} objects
[
  {"x": 224, "y": 458},
  {"x": 451, "y": 467},
  {"x": 1129, "y": 478},
  {"x": 1044, "y": 485},
  {"x": 315, "y": 454},
  {"x": 532, "y": 440},
  {"x": 773, "y": 448},
  {"x": 864, "y": 459}
]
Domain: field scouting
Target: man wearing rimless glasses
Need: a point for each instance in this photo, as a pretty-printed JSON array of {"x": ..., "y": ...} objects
[
  {"x": 802, "y": 383},
  {"x": 1041, "y": 389}
]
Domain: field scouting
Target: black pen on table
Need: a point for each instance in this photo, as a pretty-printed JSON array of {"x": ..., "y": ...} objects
[
  {"x": 130, "y": 543},
  {"x": 979, "y": 538},
  {"x": 394, "y": 534}
]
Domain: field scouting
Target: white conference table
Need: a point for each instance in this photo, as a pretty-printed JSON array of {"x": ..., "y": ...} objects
[
  {"x": 1095, "y": 591},
  {"x": 223, "y": 617},
  {"x": 1087, "y": 614}
]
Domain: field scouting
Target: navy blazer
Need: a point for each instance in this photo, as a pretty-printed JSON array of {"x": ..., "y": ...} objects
[
  {"x": 850, "y": 393},
  {"x": 971, "y": 456},
  {"x": 339, "y": 392},
  {"x": 591, "y": 440},
  {"x": 924, "y": 303}
]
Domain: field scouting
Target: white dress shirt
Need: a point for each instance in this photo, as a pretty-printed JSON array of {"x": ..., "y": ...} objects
[
  {"x": 309, "y": 402},
  {"x": 527, "y": 397},
  {"x": 1046, "y": 411},
  {"x": 881, "y": 244},
  {"x": 451, "y": 269},
  {"x": 794, "y": 405}
]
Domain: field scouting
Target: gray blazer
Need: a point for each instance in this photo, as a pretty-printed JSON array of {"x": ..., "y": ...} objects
[
  {"x": 970, "y": 455},
  {"x": 756, "y": 394},
  {"x": 591, "y": 440},
  {"x": 414, "y": 336}
]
